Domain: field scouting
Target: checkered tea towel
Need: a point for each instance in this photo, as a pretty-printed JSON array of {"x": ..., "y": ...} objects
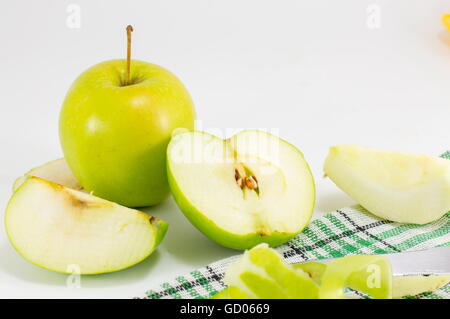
[{"x": 346, "y": 231}]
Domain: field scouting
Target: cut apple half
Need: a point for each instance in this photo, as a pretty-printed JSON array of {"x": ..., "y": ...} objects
[
  {"x": 56, "y": 171},
  {"x": 62, "y": 229},
  {"x": 402, "y": 187},
  {"x": 246, "y": 190}
]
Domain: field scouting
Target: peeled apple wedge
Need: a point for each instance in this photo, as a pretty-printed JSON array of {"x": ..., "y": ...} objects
[
  {"x": 413, "y": 285},
  {"x": 251, "y": 188},
  {"x": 56, "y": 171},
  {"x": 61, "y": 229},
  {"x": 402, "y": 187}
]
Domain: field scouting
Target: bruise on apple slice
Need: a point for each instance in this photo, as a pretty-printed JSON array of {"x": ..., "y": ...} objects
[
  {"x": 398, "y": 186},
  {"x": 62, "y": 229},
  {"x": 56, "y": 171},
  {"x": 249, "y": 189}
]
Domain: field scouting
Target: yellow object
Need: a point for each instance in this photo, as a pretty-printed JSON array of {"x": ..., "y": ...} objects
[{"x": 446, "y": 20}]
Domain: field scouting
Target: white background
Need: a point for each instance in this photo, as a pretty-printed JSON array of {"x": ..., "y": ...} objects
[{"x": 314, "y": 70}]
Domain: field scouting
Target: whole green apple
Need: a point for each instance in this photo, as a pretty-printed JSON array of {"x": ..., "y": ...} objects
[{"x": 114, "y": 132}]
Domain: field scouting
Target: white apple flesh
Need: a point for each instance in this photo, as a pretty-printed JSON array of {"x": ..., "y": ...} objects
[
  {"x": 402, "y": 187},
  {"x": 56, "y": 171},
  {"x": 412, "y": 285},
  {"x": 61, "y": 229},
  {"x": 240, "y": 192}
]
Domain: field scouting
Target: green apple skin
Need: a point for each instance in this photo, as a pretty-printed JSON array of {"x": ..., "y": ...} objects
[
  {"x": 114, "y": 136},
  {"x": 219, "y": 235}
]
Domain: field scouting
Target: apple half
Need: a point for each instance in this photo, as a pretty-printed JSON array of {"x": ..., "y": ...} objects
[
  {"x": 398, "y": 186},
  {"x": 251, "y": 188},
  {"x": 56, "y": 171},
  {"x": 59, "y": 228}
]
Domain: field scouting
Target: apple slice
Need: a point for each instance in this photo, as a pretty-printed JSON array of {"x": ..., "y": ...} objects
[
  {"x": 412, "y": 285},
  {"x": 57, "y": 228},
  {"x": 56, "y": 171},
  {"x": 402, "y": 187},
  {"x": 249, "y": 189}
]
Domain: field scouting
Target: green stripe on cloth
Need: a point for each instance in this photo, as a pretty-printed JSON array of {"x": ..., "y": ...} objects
[{"x": 346, "y": 231}]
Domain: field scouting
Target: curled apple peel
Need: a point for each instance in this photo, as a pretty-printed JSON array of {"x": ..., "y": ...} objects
[{"x": 262, "y": 273}]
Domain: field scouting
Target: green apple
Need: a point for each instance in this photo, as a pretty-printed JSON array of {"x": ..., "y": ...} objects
[
  {"x": 246, "y": 190},
  {"x": 402, "y": 187},
  {"x": 63, "y": 230},
  {"x": 114, "y": 133},
  {"x": 56, "y": 171}
]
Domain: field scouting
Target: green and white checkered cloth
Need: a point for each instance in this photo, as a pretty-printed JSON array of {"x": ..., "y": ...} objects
[{"x": 346, "y": 231}]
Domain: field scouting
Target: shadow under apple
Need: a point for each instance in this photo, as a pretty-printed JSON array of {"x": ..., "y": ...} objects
[
  {"x": 329, "y": 202},
  {"x": 13, "y": 264},
  {"x": 184, "y": 241}
]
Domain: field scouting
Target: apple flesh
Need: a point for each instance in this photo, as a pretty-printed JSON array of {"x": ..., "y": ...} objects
[
  {"x": 402, "y": 187},
  {"x": 115, "y": 135},
  {"x": 58, "y": 228},
  {"x": 252, "y": 188},
  {"x": 412, "y": 285},
  {"x": 56, "y": 171}
]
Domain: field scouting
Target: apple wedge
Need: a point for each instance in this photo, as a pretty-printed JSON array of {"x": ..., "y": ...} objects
[
  {"x": 252, "y": 188},
  {"x": 56, "y": 171},
  {"x": 402, "y": 187},
  {"x": 57, "y": 228},
  {"x": 413, "y": 285}
]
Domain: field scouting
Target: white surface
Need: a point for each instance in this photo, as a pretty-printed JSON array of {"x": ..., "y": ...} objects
[{"x": 311, "y": 69}]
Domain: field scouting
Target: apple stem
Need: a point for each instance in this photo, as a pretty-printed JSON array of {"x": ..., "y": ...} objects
[{"x": 129, "y": 30}]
